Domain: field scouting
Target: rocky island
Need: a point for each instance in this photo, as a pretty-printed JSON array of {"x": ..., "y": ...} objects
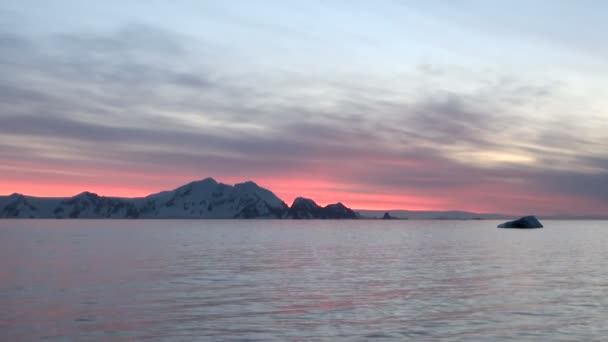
[{"x": 526, "y": 222}]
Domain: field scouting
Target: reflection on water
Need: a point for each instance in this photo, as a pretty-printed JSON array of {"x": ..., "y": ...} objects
[{"x": 291, "y": 280}]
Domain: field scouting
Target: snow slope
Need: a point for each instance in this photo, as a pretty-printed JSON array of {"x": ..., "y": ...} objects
[{"x": 201, "y": 199}]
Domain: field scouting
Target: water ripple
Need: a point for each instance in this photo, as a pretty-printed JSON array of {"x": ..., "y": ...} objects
[{"x": 302, "y": 281}]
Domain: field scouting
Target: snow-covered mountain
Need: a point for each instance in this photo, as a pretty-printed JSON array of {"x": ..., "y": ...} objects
[
  {"x": 210, "y": 199},
  {"x": 201, "y": 199},
  {"x": 84, "y": 205}
]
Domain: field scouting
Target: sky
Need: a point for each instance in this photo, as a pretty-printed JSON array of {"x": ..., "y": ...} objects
[{"x": 486, "y": 106}]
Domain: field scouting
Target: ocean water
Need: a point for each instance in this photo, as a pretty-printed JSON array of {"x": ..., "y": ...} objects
[{"x": 189, "y": 280}]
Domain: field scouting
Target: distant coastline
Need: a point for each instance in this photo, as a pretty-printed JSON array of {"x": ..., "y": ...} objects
[{"x": 209, "y": 199}]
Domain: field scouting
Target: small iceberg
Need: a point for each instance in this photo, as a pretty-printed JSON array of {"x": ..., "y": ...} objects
[{"x": 526, "y": 222}]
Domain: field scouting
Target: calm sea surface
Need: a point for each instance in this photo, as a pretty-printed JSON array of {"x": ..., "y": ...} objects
[{"x": 173, "y": 280}]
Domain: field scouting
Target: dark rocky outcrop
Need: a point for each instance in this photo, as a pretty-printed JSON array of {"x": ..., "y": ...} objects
[
  {"x": 338, "y": 211},
  {"x": 305, "y": 208},
  {"x": 526, "y": 222},
  {"x": 387, "y": 216}
]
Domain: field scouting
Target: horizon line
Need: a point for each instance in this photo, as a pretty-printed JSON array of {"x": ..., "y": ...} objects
[{"x": 354, "y": 209}]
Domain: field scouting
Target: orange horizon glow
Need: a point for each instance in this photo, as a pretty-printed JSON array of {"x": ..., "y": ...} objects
[
  {"x": 323, "y": 193},
  {"x": 129, "y": 104},
  {"x": 320, "y": 196}
]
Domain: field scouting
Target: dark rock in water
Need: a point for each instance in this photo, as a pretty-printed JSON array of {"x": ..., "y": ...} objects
[
  {"x": 526, "y": 222},
  {"x": 387, "y": 216}
]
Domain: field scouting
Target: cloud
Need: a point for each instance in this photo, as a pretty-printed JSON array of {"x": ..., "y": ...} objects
[{"x": 139, "y": 100}]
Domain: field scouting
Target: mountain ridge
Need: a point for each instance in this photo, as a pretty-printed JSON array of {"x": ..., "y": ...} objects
[
  {"x": 210, "y": 199},
  {"x": 203, "y": 199},
  {"x": 305, "y": 208}
]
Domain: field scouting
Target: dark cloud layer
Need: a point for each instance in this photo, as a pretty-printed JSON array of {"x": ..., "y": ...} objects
[{"x": 141, "y": 101}]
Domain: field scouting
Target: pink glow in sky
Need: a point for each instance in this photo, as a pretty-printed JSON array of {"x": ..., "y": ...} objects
[{"x": 503, "y": 115}]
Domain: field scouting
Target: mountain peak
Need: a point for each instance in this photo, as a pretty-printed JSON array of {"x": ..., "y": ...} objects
[
  {"x": 247, "y": 185},
  {"x": 303, "y": 201},
  {"x": 87, "y": 194},
  {"x": 203, "y": 185},
  {"x": 207, "y": 180},
  {"x": 208, "y": 198},
  {"x": 305, "y": 208},
  {"x": 339, "y": 210}
]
